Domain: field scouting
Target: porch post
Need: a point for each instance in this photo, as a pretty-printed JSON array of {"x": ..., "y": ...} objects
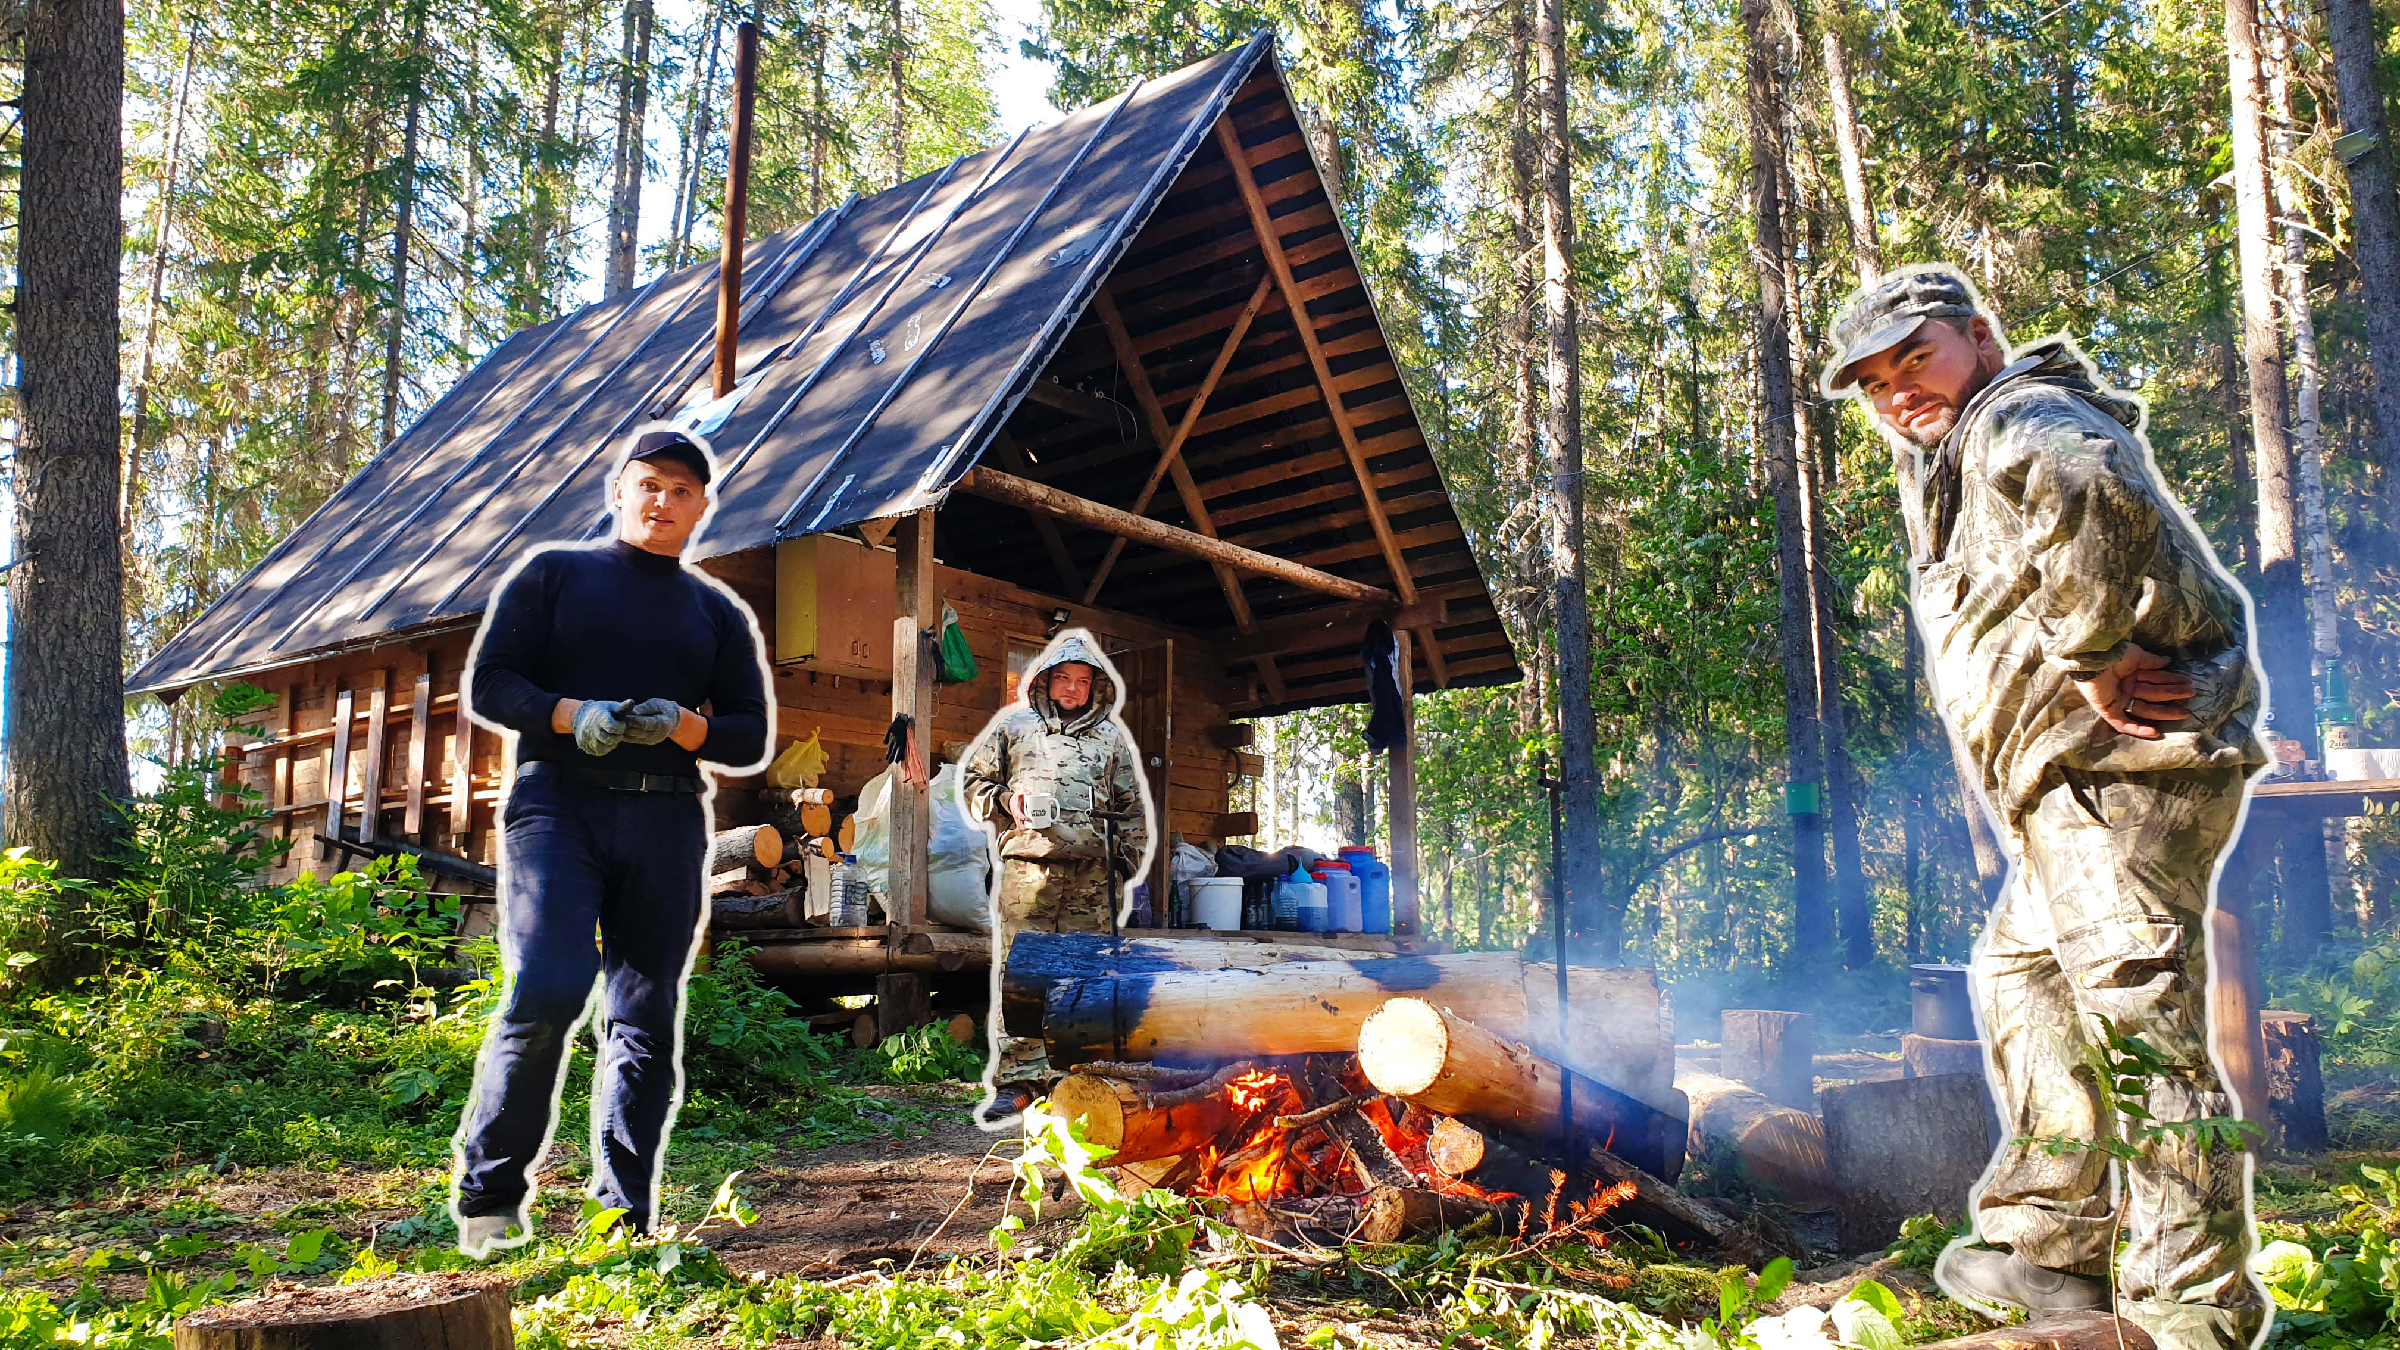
[
  {"x": 911, "y": 810},
  {"x": 1401, "y": 795}
]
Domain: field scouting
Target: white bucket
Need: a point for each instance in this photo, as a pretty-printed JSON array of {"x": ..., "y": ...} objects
[{"x": 1217, "y": 902}]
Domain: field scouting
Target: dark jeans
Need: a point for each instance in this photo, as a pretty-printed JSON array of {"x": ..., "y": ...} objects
[{"x": 578, "y": 859}]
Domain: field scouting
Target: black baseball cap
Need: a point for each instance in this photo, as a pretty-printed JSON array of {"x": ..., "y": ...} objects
[
  {"x": 1883, "y": 315},
  {"x": 674, "y": 446}
]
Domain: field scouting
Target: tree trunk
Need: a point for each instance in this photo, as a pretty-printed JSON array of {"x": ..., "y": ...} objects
[
  {"x": 1521, "y": 533},
  {"x": 405, "y": 198},
  {"x": 130, "y": 490},
  {"x": 1463, "y": 1153},
  {"x": 1866, "y": 243},
  {"x": 2308, "y": 433},
  {"x": 2366, "y": 153},
  {"x": 694, "y": 151},
  {"x": 2281, "y": 602},
  {"x": 533, "y": 296},
  {"x": 65, "y": 756},
  {"x": 455, "y": 1311},
  {"x": 632, "y": 149},
  {"x": 896, "y": 54},
  {"x": 1582, "y": 887},
  {"x": 1812, "y": 929}
]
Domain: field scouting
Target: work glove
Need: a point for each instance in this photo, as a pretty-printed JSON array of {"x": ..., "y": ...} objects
[
  {"x": 652, "y": 720},
  {"x": 599, "y": 726}
]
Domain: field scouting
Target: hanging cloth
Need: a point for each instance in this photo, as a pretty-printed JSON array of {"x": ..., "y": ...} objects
[{"x": 1387, "y": 724}]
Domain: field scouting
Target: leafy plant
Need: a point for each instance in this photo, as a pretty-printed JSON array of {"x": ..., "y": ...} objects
[
  {"x": 926, "y": 1054},
  {"x": 1922, "y": 1240}
]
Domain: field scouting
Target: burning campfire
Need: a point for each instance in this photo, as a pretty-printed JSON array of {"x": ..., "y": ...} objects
[{"x": 1310, "y": 1145}]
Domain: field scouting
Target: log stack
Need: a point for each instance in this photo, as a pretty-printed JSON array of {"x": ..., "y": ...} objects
[{"x": 1372, "y": 1099}]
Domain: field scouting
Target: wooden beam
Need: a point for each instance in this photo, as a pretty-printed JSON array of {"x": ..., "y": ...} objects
[
  {"x": 1194, "y": 506},
  {"x": 1323, "y": 627},
  {"x": 1171, "y": 457},
  {"x": 992, "y": 485},
  {"x": 1076, "y": 403},
  {"x": 462, "y": 770},
  {"x": 1401, "y": 796},
  {"x": 910, "y": 815},
  {"x": 379, "y": 708},
  {"x": 1044, "y": 528},
  {"x": 337, "y": 766},
  {"x": 412, "y": 820},
  {"x": 1271, "y": 243}
]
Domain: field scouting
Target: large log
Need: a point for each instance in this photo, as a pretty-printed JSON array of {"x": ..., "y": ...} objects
[
  {"x": 2092, "y": 1330},
  {"x": 1439, "y": 1060},
  {"x": 1903, "y": 1147},
  {"x": 1037, "y": 961},
  {"x": 1774, "y": 1052},
  {"x": 1614, "y": 1034},
  {"x": 744, "y": 846},
  {"x": 1117, "y": 1115},
  {"x": 397, "y": 1312},
  {"x": 1775, "y": 1150},
  {"x": 1933, "y": 1056}
]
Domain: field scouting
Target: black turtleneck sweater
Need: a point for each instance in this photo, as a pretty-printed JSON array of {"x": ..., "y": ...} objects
[{"x": 611, "y": 621}]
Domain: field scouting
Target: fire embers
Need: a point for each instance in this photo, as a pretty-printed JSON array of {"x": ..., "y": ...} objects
[{"x": 1304, "y": 1145}]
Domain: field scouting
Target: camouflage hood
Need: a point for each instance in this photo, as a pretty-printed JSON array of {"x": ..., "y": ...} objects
[{"x": 1071, "y": 647}]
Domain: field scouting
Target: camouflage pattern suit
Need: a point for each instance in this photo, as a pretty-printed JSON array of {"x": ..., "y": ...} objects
[
  {"x": 2046, "y": 545},
  {"x": 1056, "y": 879}
]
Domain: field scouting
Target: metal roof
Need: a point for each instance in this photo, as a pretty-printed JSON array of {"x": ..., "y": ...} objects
[{"x": 882, "y": 343}]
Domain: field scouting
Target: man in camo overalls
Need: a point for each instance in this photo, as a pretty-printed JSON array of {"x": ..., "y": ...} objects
[{"x": 2093, "y": 663}]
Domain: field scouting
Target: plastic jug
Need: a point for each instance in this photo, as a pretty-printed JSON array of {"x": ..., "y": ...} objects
[
  {"x": 1290, "y": 894},
  {"x": 1342, "y": 897},
  {"x": 1309, "y": 913},
  {"x": 1374, "y": 886}
]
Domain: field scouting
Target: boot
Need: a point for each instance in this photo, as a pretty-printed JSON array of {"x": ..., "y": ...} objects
[{"x": 1989, "y": 1280}]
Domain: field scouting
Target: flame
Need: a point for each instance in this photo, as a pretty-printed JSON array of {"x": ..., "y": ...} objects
[{"x": 1253, "y": 1090}]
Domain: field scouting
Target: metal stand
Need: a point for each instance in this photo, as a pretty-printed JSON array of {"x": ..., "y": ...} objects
[{"x": 1556, "y": 790}]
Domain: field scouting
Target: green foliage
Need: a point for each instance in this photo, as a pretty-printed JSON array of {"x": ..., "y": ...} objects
[
  {"x": 2121, "y": 1068},
  {"x": 926, "y": 1054},
  {"x": 2339, "y": 1283},
  {"x": 1922, "y": 1240}
]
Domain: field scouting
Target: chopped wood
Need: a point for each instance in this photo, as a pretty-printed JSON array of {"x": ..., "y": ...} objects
[
  {"x": 1463, "y": 1153},
  {"x": 1320, "y": 1114},
  {"x": 745, "y": 846},
  {"x": 778, "y": 909},
  {"x": 1673, "y": 1213},
  {"x": 1438, "y": 1059},
  {"x": 1206, "y": 1087},
  {"x": 1115, "y": 1115},
  {"x": 1393, "y": 1213}
]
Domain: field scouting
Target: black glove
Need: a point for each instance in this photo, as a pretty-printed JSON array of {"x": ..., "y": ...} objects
[
  {"x": 599, "y": 726},
  {"x": 652, "y": 720}
]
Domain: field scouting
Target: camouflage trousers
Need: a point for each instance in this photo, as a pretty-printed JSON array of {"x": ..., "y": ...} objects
[
  {"x": 1063, "y": 895},
  {"x": 2106, "y": 918}
]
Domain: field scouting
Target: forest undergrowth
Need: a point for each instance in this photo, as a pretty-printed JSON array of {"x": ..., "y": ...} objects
[{"x": 221, "y": 1030}]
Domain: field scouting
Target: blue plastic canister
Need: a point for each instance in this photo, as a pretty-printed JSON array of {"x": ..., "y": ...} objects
[
  {"x": 1309, "y": 906},
  {"x": 1375, "y": 888},
  {"x": 1342, "y": 896}
]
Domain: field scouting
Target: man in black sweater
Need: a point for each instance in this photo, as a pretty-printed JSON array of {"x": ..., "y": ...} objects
[{"x": 598, "y": 659}]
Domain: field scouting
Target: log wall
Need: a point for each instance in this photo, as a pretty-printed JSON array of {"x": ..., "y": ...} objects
[{"x": 848, "y": 710}]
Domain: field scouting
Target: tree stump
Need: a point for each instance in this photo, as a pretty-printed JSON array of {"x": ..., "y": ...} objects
[
  {"x": 397, "y": 1312},
  {"x": 902, "y": 1001},
  {"x": 2295, "y": 1082},
  {"x": 1774, "y": 1052},
  {"x": 1931, "y": 1057},
  {"x": 1904, "y": 1147}
]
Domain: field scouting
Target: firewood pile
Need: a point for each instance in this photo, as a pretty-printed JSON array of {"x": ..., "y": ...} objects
[{"x": 1366, "y": 1100}]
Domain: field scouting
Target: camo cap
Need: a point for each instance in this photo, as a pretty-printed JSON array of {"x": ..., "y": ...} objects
[{"x": 1883, "y": 315}]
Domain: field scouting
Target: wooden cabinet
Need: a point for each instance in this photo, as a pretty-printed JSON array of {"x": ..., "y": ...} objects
[{"x": 834, "y": 604}]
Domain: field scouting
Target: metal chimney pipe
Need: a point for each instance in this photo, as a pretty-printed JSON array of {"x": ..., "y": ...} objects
[{"x": 737, "y": 205}]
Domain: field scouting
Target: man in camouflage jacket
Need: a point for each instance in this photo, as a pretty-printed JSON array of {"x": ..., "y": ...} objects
[
  {"x": 1061, "y": 750},
  {"x": 2093, "y": 663}
]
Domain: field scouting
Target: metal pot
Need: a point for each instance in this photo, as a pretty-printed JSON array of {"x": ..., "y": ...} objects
[{"x": 1938, "y": 1003}]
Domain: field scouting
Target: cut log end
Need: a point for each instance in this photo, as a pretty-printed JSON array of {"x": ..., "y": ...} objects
[
  {"x": 1403, "y": 1046},
  {"x": 1117, "y": 1116},
  {"x": 1455, "y": 1148}
]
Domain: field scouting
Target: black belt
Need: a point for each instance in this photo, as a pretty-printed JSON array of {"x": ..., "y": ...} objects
[{"x": 615, "y": 780}]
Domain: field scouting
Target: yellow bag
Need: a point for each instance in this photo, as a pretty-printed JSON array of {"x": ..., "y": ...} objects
[{"x": 798, "y": 765}]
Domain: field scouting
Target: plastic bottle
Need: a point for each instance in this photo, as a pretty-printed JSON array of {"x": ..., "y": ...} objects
[
  {"x": 1375, "y": 888},
  {"x": 1290, "y": 894},
  {"x": 1342, "y": 895}
]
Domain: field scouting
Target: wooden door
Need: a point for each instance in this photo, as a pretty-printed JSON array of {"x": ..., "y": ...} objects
[{"x": 1149, "y": 674}]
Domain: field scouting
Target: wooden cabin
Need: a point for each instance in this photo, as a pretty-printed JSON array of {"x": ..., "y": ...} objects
[{"x": 1121, "y": 372}]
